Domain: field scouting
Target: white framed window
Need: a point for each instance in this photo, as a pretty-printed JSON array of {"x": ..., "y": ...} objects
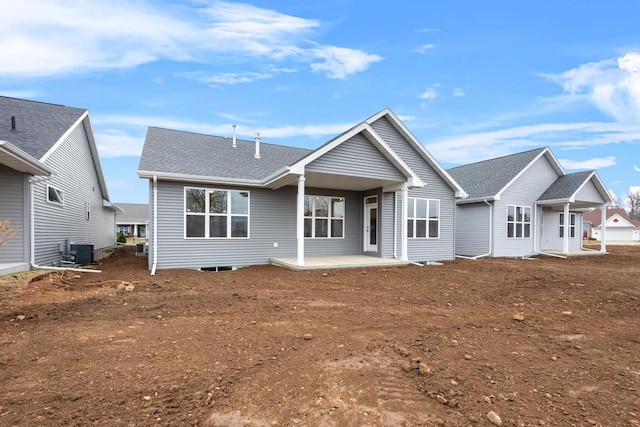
[
  {"x": 518, "y": 222},
  {"x": 423, "y": 218},
  {"x": 212, "y": 213},
  {"x": 572, "y": 225},
  {"x": 324, "y": 217},
  {"x": 55, "y": 195}
]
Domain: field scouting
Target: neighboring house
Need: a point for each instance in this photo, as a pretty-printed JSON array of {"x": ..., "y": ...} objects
[
  {"x": 52, "y": 184},
  {"x": 133, "y": 219},
  {"x": 619, "y": 226},
  {"x": 523, "y": 204},
  {"x": 373, "y": 190}
]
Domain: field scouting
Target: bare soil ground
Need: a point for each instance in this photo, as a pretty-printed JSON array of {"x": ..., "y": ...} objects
[{"x": 546, "y": 342}]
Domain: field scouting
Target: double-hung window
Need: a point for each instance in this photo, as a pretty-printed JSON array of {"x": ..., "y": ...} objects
[
  {"x": 323, "y": 217},
  {"x": 518, "y": 222},
  {"x": 423, "y": 218},
  {"x": 572, "y": 225},
  {"x": 214, "y": 213}
]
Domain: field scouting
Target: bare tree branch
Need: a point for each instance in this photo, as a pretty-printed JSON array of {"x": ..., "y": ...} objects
[{"x": 6, "y": 230}]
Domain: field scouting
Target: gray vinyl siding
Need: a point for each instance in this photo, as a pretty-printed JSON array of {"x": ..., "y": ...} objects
[
  {"x": 272, "y": 219},
  {"x": 436, "y": 188},
  {"x": 551, "y": 240},
  {"x": 14, "y": 190},
  {"x": 387, "y": 225},
  {"x": 523, "y": 192},
  {"x": 589, "y": 193},
  {"x": 75, "y": 174},
  {"x": 356, "y": 157},
  {"x": 472, "y": 229}
]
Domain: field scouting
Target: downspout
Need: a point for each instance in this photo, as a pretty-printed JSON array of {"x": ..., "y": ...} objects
[
  {"x": 490, "y": 236},
  {"x": 32, "y": 236},
  {"x": 155, "y": 226}
]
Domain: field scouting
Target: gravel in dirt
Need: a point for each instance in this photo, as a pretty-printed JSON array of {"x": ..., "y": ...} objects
[{"x": 541, "y": 342}]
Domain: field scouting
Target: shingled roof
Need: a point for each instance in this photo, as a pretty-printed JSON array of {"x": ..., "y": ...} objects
[
  {"x": 186, "y": 153},
  {"x": 133, "y": 213},
  {"x": 565, "y": 186},
  {"x": 487, "y": 178},
  {"x": 39, "y": 125}
]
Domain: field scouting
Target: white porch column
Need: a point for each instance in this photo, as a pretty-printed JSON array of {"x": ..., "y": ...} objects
[
  {"x": 565, "y": 239},
  {"x": 603, "y": 228},
  {"x": 404, "y": 256},
  {"x": 135, "y": 230},
  {"x": 300, "y": 221}
]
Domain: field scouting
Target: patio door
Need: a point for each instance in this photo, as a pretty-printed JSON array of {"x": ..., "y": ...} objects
[{"x": 371, "y": 224}]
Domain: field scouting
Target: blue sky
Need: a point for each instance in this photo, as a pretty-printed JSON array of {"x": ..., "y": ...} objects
[{"x": 472, "y": 80}]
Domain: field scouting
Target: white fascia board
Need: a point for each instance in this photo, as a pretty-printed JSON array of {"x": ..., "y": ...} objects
[
  {"x": 421, "y": 149},
  {"x": 63, "y": 138},
  {"x": 554, "y": 201},
  {"x": 107, "y": 204},
  {"x": 389, "y": 154},
  {"x": 626, "y": 223},
  {"x": 371, "y": 135},
  {"x": 602, "y": 188},
  {"x": 96, "y": 157},
  {"x": 28, "y": 163},
  {"x": 477, "y": 200},
  {"x": 326, "y": 148},
  {"x": 199, "y": 179}
]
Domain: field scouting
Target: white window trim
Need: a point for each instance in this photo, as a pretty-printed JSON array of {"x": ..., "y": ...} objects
[
  {"x": 329, "y": 217},
  {"x": 515, "y": 222},
  {"x": 412, "y": 216},
  {"x": 571, "y": 227},
  {"x": 206, "y": 214},
  {"x": 59, "y": 193}
]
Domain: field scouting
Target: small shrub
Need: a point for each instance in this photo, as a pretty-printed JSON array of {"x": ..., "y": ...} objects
[{"x": 121, "y": 238}]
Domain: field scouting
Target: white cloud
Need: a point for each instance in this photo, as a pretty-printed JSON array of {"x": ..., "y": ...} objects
[
  {"x": 612, "y": 85},
  {"x": 477, "y": 146},
  {"x": 458, "y": 92},
  {"x": 596, "y": 163},
  {"x": 27, "y": 94},
  {"x": 339, "y": 62},
  {"x": 48, "y": 38},
  {"x": 424, "y": 48},
  {"x": 636, "y": 168},
  {"x": 428, "y": 30},
  {"x": 117, "y": 143},
  {"x": 430, "y": 93}
]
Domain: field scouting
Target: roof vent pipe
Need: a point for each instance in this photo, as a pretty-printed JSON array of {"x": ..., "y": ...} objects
[
  {"x": 13, "y": 122},
  {"x": 257, "y": 155},
  {"x": 234, "y": 135}
]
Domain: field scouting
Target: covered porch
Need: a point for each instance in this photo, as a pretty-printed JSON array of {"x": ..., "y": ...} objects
[
  {"x": 358, "y": 161},
  {"x": 332, "y": 262},
  {"x": 561, "y": 207}
]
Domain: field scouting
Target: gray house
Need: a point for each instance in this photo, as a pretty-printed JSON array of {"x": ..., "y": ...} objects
[
  {"x": 374, "y": 190},
  {"x": 523, "y": 204},
  {"x": 133, "y": 219},
  {"x": 53, "y": 191}
]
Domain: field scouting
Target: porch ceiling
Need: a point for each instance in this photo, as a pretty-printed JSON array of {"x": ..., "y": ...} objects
[
  {"x": 559, "y": 206},
  {"x": 345, "y": 182}
]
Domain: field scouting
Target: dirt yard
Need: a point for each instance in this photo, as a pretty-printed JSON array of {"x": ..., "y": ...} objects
[{"x": 546, "y": 342}]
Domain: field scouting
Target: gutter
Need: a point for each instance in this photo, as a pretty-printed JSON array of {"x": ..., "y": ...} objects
[
  {"x": 32, "y": 243},
  {"x": 155, "y": 226}
]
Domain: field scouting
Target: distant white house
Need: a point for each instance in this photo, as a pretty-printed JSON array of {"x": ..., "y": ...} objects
[
  {"x": 619, "y": 226},
  {"x": 133, "y": 221}
]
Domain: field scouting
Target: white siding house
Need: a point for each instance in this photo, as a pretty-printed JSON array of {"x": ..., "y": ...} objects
[
  {"x": 66, "y": 200},
  {"x": 522, "y": 205},
  {"x": 373, "y": 190}
]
